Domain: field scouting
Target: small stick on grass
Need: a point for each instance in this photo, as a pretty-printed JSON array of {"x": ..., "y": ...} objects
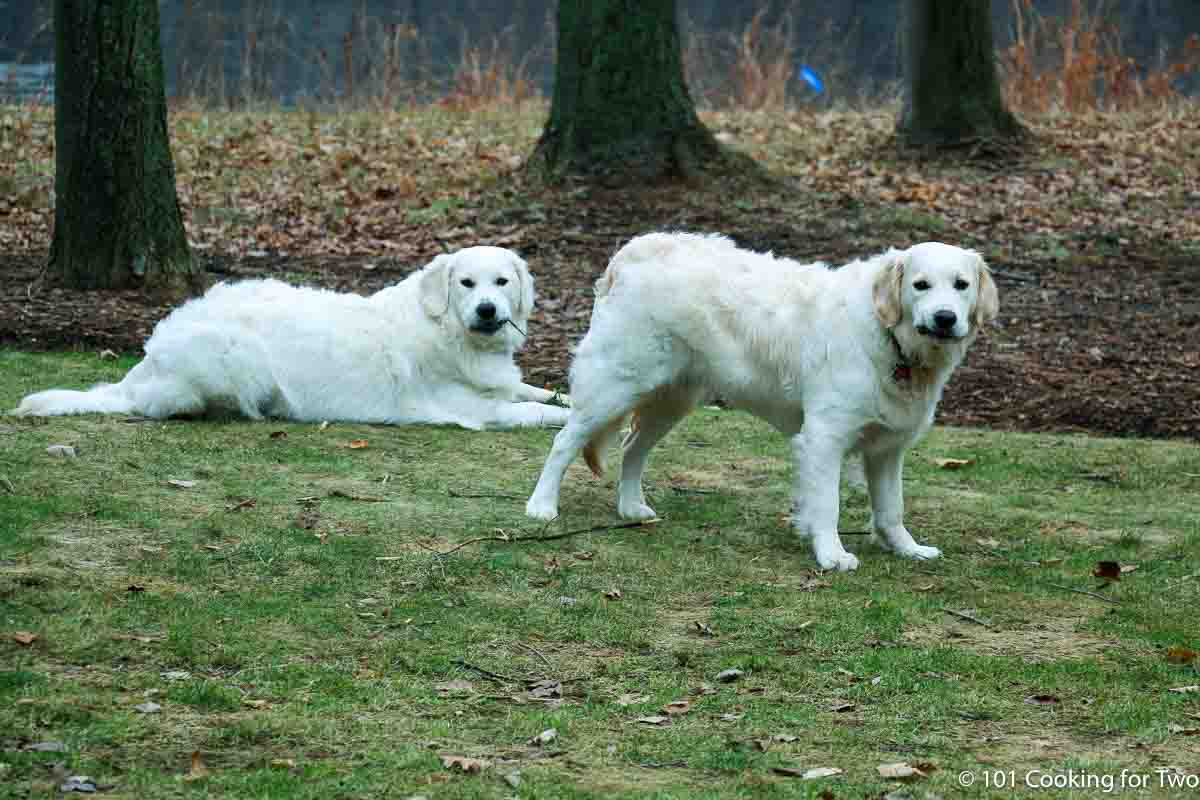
[
  {"x": 967, "y": 617},
  {"x": 456, "y": 493},
  {"x": 487, "y": 673},
  {"x": 1085, "y": 591},
  {"x": 504, "y": 537},
  {"x": 537, "y": 653}
]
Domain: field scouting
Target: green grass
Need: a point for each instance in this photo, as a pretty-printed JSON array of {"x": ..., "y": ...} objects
[{"x": 302, "y": 643}]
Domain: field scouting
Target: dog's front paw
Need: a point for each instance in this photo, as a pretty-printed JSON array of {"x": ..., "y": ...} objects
[
  {"x": 920, "y": 552},
  {"x": 540, "y": 509},
  {"x": 636, "y": 512},
  {"x": 840, "y": 560}
]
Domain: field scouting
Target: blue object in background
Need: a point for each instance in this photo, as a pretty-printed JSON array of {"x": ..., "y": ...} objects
[{"x": 810, "y": 76}]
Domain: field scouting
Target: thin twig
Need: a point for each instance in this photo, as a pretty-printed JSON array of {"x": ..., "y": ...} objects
[
  {"x": 504, "y": 537},
  {"x": 461, "y": 545},
  {"x": 537, "y": 653},
  {"x": 968, "y": 617},
  {"x": 593, "y": 529},
  {"x": 487, "y": 673},
  {"x": 1084, "y": 591},
  {"x": 365, "y": 498},
  {"x": 455, "y": 493}
]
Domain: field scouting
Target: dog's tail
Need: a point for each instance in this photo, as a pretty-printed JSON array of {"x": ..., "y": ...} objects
[
  {"x": 103, "y": 398},
  {"x": 595, "y": 451}
]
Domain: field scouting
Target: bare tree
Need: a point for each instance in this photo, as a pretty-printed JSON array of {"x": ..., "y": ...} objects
[
  {"x": 952, "y": 89},
  {"x": 620, "y": 104},
  {"x": 117, "y": 222}
]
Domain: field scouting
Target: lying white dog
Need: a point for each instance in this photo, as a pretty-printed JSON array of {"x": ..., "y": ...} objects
[
  {"x": 435, "y": 348},
  {"x": 842, "y": 360}
]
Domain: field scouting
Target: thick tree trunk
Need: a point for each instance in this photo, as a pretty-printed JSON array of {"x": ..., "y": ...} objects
[
  {"x": 620, "y": 104},
  {"x": 117, "y": 222},
  {"x": 952, "y": 90}
]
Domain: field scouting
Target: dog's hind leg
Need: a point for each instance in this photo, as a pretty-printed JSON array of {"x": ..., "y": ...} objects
[
  {"x": 656, "y": 416},
  {"x": 583, "y": 424}
]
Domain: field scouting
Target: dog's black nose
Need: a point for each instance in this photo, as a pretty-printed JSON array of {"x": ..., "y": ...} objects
[
  {"x": 488, "y": 311},
  {"x": 944, "y": 319}
]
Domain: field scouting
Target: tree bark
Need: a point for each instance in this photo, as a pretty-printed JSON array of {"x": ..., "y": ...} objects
[
  {"x": 117, "y": 222},
  {"x": 952, "y": 89},
  {"x": 620, "y": 105}
]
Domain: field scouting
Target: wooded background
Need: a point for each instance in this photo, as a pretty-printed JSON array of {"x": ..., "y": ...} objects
[{"x": 290, "y": 51}]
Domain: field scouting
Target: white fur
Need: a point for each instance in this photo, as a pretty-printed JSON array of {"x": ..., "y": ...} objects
[
  {"x": 416, "y": 352},
  {"x": 808, "y": 348}
]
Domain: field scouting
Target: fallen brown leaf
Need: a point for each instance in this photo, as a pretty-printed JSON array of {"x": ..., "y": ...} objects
[
  {"x": 198, "y": 770},
  {"x": 1042, "y": 700},
  {"x": 953, "y": 463},
  {"x": 902, "y": 771},
  {"x": 454, "y": 687},
  {"x": 677, "y": 707},
  {"x": 1107, "y": 570},
  {"x": 807, "y": 774},
  {"x": 25, "y": 638},
  {"x": 1181, "y": 655},
  {"x": 464, "y": 764},
  {"x": 358, "y": 444},
  {"x": 544, "y": 738}
]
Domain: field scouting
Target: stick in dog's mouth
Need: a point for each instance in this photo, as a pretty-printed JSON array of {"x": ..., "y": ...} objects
[{"x": 510, "y": 322}]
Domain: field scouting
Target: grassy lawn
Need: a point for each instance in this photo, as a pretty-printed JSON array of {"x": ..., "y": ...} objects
[{"x": 284, "y": 619}]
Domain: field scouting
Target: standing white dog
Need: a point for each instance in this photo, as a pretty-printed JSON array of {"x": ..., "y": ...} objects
[
  {"x": 842, "y": 360},
  {"x": 435, "y": 348}
]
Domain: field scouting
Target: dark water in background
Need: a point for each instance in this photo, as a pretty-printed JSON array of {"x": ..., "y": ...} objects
[{"x": 293, "y": 51}]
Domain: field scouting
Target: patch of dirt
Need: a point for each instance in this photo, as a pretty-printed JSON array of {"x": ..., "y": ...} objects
[
  {"x": 1104, "y": 345},
  {"x": 1011, "y": 748},
  {"x": 1042, "y": 642}
]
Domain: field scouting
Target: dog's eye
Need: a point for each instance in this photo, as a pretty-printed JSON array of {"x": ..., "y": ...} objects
[
  {"x": 501, "y": 281},
  {"x": 467, "y": 282},
  {"x": 921, "y": 286},
  {"x": 961, "y": 285}
]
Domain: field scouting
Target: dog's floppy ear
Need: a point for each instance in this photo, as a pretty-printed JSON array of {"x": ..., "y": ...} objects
[
  {"x": 888, "y": 284},
  {"x": 435, "y": 285},
  {"x": 525, "y": 278},
  {"x": 987, "y": 301}
]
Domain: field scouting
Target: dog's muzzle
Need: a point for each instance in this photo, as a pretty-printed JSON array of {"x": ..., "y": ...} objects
[
  {"x": 486, "y": 319},
  {"x": 488, "y": 326},
  {"x": 944, "y": 323}
]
